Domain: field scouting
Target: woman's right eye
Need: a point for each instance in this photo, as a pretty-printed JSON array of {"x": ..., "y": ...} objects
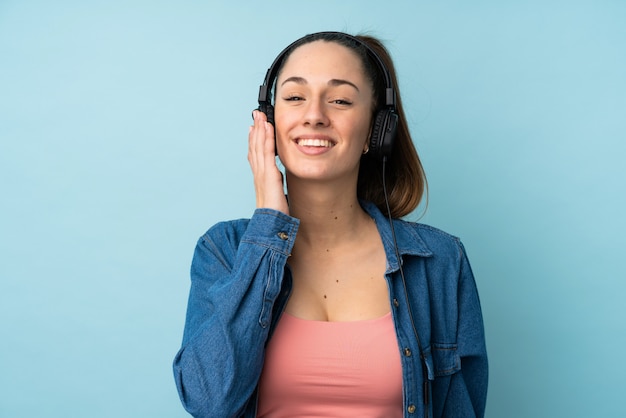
[{"x": 293, "y": 98}]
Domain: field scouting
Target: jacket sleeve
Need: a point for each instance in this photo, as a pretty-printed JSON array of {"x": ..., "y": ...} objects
[
  {"x": 236, "y": 277},
  {"x": 466, "y": 393}
]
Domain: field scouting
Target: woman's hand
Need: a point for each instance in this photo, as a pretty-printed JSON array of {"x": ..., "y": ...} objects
[{"x": 268, "y": 180}]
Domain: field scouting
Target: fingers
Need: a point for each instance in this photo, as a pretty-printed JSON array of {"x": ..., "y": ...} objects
[
  {"x": 261, "y": 142},
  {"x": 268, "y": 181}
]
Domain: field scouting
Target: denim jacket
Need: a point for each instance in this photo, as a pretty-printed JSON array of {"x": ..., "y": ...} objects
[{"x": 240, "y": 283}]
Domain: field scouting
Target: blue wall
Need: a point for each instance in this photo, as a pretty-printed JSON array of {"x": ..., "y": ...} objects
[{"x": 123, "y": 129}]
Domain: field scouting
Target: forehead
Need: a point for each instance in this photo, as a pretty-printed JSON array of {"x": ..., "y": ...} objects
[{"x": 321, "y": 58}]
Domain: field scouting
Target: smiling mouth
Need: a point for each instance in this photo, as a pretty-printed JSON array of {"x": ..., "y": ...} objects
[{"x": 309, "y": 142}]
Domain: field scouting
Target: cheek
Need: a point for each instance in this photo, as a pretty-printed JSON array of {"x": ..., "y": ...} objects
[
  {"x": 279, "y": 130},
  {"x": 279, "y": 118},
  {"x": 364, "y": 131},
  {"x": 283, "y": 123}
]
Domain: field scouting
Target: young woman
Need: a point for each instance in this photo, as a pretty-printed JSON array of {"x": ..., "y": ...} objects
[{"x": 325, "y": 302}]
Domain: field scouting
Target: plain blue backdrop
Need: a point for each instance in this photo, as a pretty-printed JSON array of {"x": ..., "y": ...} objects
[{"x": 123, "y": 137}]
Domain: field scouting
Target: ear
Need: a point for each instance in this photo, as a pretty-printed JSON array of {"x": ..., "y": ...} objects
[{"x": 368, "y": 139}]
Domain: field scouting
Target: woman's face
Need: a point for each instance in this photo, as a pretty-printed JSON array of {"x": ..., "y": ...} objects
[{"x": 323, "y": 111}]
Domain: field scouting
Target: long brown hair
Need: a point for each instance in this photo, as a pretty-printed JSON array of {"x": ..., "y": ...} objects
[{"x": 405, "y": 177}]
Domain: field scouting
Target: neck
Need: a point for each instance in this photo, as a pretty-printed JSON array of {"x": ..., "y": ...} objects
[{"x": 328, "y": 215}]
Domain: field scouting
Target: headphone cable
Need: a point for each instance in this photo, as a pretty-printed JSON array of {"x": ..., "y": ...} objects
[{"x": 406, "y": 293}]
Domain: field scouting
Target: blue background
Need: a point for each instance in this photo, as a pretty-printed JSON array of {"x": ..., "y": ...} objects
[{"x": 123, "y": 130}]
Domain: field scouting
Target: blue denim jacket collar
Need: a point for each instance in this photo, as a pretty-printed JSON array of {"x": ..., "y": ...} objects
[{"x": 408, "y": 240}]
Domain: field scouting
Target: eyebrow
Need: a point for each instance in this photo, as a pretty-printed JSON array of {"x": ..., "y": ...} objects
[{"x": 334, "y": 82}]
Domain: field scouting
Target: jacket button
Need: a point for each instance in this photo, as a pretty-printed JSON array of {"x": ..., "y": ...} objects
[
  {"x": 283, "y": 235},
  {"x": 411, "y": 409},
  {"x": 395, "y": 302},
  {"x": 407, "y": 352}
]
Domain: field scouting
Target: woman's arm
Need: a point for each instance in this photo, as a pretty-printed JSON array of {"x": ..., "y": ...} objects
[
  {"x": 236, "y": 275},
  {"x": 466, "y": 394}
]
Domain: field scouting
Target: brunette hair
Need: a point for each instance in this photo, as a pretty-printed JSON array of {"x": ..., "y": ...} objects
[{"x": 405, "y": 179}]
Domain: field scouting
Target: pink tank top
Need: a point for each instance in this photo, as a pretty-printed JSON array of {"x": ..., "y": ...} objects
[{"x": 332, "y": 369}]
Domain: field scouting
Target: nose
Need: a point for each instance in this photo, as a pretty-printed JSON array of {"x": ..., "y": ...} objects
[{"x": 315, "y": 114}]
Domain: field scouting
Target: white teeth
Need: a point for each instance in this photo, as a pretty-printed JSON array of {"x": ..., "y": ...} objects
[{"x": 315, "y": 143}]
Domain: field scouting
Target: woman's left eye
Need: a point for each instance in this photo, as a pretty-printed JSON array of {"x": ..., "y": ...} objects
[{"x": 342, "y": 102}]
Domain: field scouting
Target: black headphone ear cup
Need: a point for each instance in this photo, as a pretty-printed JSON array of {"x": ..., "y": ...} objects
[
  {"x": 268, "y": 109},
  {"x": 383, "y": 134}
]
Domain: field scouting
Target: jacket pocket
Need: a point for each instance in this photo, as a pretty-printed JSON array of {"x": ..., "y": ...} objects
[{"x": 442, "y": 360}]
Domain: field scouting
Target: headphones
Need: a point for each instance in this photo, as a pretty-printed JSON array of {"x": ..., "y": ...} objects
[{"x": 385, "y": 122}]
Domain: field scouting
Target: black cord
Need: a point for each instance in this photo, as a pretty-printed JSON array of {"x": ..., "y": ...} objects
[{"x": 406, "y": 294}]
